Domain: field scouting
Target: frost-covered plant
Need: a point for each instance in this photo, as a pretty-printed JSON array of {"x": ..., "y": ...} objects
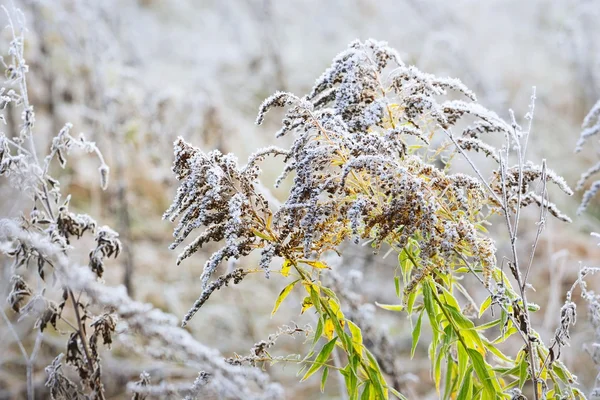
[
  {"x": 363, "y": 160},
  {"x": 46, "y": 233},
  {"x": 42, "y": 247},
  {"x": 592, "y": 300},
  {"x": 591, "y": 127}
]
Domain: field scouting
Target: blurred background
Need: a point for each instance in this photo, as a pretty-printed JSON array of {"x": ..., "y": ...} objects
[{"x": 134, "y": 75}]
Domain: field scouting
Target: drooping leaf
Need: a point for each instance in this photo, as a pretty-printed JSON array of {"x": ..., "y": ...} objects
[
  {"x": 282, "y": 295},
  {"x": 390, "y": 307},
  {"x": 416, "y": 334},
  {"x": 466, "y": 386},
  {"x": 324, "y": 378},
  {"x": 482, "y": 369},
  {"x": 306, "y": 304},
  {"x": 485, "y": 305},
  {"x": 357, "y": 340},
  {"x": 321, "y": 358}
]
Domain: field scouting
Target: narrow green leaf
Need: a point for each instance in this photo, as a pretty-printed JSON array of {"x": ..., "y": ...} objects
[
  {"x": 485, "y": 305},
  {"x": 357, "y": 340},
  {"x": 466, "y": 387},
  {"x": 494, "y": 350},
  {"x": 322, "y": 357},
  {"x": 449, "y": 298},
  {"x": 377, "y": 383},
  {"x": 488, "y": 325},
  {"x": 416, "y": 334},
  {"x": 431, "y": 312},
  {"x": 324, "y": 378},
  {"x": 490, "y": 384},
  {"x": 390, "y": 307},
  {"x": 284, "y": 293},
  {"x": 411, "y": 301},
  {"x": 351, "y": 381},
  {"x": 463, "y": 360},
  {"x": 437, "y": 369},
  {"x": 448, "y": 381},
  {"x": 507, "y": 333},
  {"x": 318, "y": 331},
  {"x": 397, "y": 393},
  {"x": 366, "y": 394},
  {"x": 523, "y": 373},
  {"x": 562, "y": 372},
  {"x": 467, "y": 328},
  {"x": 397, "y": 285}
]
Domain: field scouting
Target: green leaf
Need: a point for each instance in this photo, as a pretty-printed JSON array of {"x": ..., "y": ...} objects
[
  {"x": 324, "y": 378},
  {"x": 431, "y": 312},
  {"x": 322, "y": 357},
  {"x": 467, "y": 329},
  {"x": 507, "y": 333},
  {"x": 411, "y": 301},
  {"x": 397, "y": 285},
  {"x": 466, "y": 387},
  {"x": 437, "y": 369},
  {"x": 262, "y": 235},
  {"x": 357, "y": 340},
  {"x": 562, "y": 372},
  {"x": 449, "y": 298},
  {"x": 416, "y": 334},
  {"x": 284, "y": 293},
  {"x": 397, "y": 393},
  {"x": 390, "y": 307},
  {"x": 351, "y": 381},
  {"x": 523, "y": 373},
  {"x": 448, "y": 381},
  {"x": 494, "y": 350},
  {"x": 490, "y": 384},
  {"x": 377, "y": 383},
  {"x": 366, "y": 394},
  {"x": 488, "y": 325},
  {"x": 318, "y": 331},
  {"x": 405, "y": 264},
  {"x": 481, "y": 228},
  {"x": 485, "y": 305},
  {"x": 463, "y": 360}
]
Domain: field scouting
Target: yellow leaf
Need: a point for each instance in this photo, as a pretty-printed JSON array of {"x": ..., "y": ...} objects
[
  {"x": 269, "y": 220},
  {"x": 308, "y": 285},
  {"x": 285, "y": 268},
  {"x": 316, "y": 264},
  {"x": 329, "y": 329},
  {"x": 306, "y": 304},
  {"x": 284, "y": 293},
  {"x": 357, "y": 340},
  {"x": 335, "y": 307}
]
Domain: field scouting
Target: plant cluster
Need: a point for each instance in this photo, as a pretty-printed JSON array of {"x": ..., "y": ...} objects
[
  {"x": 53, "y": 289},
  {"x": 368, "y": 141},
  {"x": 45, "y": 237}
]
